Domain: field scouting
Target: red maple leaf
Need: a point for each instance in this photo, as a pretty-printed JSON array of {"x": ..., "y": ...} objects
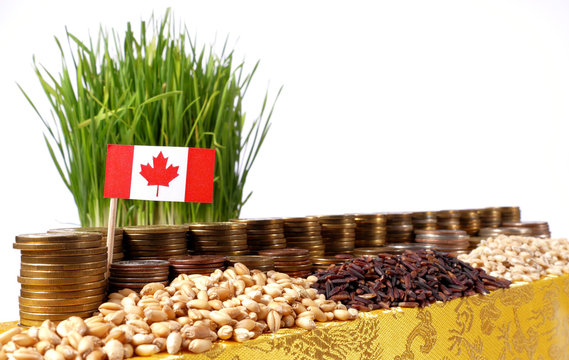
[{"x": 159, "y": 175}]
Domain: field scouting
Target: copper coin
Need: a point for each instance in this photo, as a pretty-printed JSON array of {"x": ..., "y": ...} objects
[
  {"x": 115, "y": 279},
  {"x": 196, "y": 259},
  {"x": 284, "y": 252},
  {"x": 140, "y": 263},
  {"x": 292, "y": 263},
  {"x": 60, "y": 281},
  {"x": 64, "y": 267},
  {"x": 241, "y": 236},
  {"x": 228, "y": 232}
]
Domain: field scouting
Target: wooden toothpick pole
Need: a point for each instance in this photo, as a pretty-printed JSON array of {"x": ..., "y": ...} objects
[{"x": 111, "y": 233}]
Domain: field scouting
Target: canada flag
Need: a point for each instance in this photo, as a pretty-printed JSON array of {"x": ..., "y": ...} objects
[{"x": 160, "y": 173}]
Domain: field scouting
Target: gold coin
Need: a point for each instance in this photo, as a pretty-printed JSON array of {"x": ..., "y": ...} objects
[
  {"x": 56, "y": 237},
  {"x": 153, "y": 229},
  {"x": 25, "y": 315},
  {"x": 55, "y": 246},
  {"x": 65, "y": 309},
  {"x": 64, "y": 267},
  {"x": 61, "y": 302},
  {"x": 96, "y": 229},
  {"x": 62, "y": 295},
  {"x": 64, "y": 288},
  {"x": 70, "y": 252},
  {"x": 61, "y": 274},
  {"x": 60, "y": 281},
  {"x": 62, "y": 259}
]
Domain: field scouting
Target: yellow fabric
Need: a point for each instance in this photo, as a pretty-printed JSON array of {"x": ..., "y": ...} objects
[{"x": 527, "y": 321}]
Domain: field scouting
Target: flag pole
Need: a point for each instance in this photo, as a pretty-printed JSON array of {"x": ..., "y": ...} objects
[{"x": 111, "y": 233}]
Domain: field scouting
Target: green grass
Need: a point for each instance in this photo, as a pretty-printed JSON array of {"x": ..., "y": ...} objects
[{"x": 159, "y": 88}]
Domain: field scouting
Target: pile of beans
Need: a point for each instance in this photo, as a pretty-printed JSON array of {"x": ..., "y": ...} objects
[
  {"x": 188, "y": 315},
  {"x": 408, "y": 280},
  {"x": 520, "y": 258}
]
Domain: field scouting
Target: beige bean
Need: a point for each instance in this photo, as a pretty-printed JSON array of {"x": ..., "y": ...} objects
[
  {"x": 241, "y": 335},
  {"x": 67, "y": 351},
  {"x": 248, "y": 324},
  {"x": 139, "y": 339},
  {"x": 26, "y": 354},
  {"x": 51, "y": 354},
  {"x": 114, "y": 350},
  {"x": 151, "y": 288},
  {"x": 128, "y": 351},
  {"x": 153, "y": 316},
  {"x": 220, "y": 318},
  {"x": 73, "y": 338},
  {"x": 23, "y": 340},
  {"x": 225, "y": 332},
  {"x": 160, "y": 329},
  {"x": 198, "y": 346},
  {"x": 274, "y": 321},
  {"x": 97, "y": 354},
  {"x": 174, "y": 343},
  {"x": 8, "y": 334},
  {"x": 86, "y": 346},
  {"x": 241, "y": 269},
  {"x": 195, "y": 332},
  {"x": 305, "y": 322},
  {"x": 342, "y": 315},
  {"x": 146, "y": 350},
  {"x": 161, "y": 343},
  {"x": 199, "y": 304},
  {"x": 99, "y": 329},
  {"x": 46, "y": 334},
  {"x": 109, "y": 307},
  {"x": 43, "y": 346},
  {"x": 139, "y": 326}
]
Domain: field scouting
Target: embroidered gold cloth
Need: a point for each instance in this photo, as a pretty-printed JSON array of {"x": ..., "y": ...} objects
[{"x": 527, "y": 321}]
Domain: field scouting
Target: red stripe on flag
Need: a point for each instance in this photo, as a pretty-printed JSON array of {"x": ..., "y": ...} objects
[
  {"x": 199, "y": 176},
  {"x": 118, "y": 171}
]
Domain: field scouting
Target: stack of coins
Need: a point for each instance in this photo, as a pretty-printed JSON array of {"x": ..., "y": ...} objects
[
  {"x": 338, "y": 233},
  {"x": 538, "y": 228},
  {"x": 370, "y": 230},
  {"x": 510, "y": 214},
  {"x": 424, "y": 220},
  {"x": 294, "y": 262},
  {"x": 196, "y": 264},
  {"x": 155, "y": 242},
  {"x": 253, "y": 262},
  {"x": 218, "y": 238},
  {"x": 304, "y": 233},
  {"x": 264, "y": 234},
  {"x": 118, "y": 253},
  {"x": 324, "y": 262},
  {"x": 399, "y": 228},
  {"x": 61, "y": 275},
  {"x": 451, "y": 241},
  {"x": 448, "y": 220},
  {"x": 470, "y": 221},
  {"x": 134, "y": 274},
  {"x": 490, "y": 217}
]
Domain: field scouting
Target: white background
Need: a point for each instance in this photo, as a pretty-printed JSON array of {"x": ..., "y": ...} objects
[{"x": 386, "y": 106}]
